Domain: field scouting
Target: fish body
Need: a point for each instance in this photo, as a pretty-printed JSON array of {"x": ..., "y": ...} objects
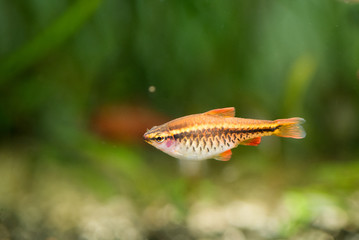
[{"x": 214, "y": 133}]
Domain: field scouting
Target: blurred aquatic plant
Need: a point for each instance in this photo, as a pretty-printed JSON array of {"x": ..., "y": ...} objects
[
  {"x": 54, "y": 35},
  {"x": 300, "y": 76}
]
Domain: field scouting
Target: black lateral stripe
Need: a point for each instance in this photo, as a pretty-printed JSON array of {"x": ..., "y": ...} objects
[{"x": 217, "y": 131}]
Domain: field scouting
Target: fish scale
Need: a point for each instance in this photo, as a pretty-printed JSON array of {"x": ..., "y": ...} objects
[
  {"x": 222, "y": 140},
  {"x": 212, "y": 134},
  {"x": 214, "y": 139}
]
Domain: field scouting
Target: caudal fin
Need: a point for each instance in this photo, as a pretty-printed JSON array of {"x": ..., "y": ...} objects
[{"x": 290, "y": 128}]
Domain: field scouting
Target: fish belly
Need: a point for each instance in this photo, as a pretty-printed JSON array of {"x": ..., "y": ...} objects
[{"x": 202, "y": 149}]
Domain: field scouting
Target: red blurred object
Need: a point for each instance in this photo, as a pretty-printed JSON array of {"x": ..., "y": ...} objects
[{"x": 125, "y": 123}]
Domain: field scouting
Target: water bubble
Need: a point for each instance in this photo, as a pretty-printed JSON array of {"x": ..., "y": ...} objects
[{"x": 152, "y": 89}]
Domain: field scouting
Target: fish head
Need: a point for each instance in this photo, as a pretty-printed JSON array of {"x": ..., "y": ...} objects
[{"x": 161, "y": 138}]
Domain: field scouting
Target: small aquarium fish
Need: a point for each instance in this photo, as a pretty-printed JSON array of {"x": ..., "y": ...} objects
[{"x": 214, "y": 133}]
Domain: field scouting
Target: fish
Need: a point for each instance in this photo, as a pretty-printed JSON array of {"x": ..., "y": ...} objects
[{"x": 214, "y": 133}]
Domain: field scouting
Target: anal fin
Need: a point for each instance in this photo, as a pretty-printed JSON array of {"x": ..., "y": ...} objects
[
  {"x": 224, "y": 156},
  {"x": 252, "y": 142}
]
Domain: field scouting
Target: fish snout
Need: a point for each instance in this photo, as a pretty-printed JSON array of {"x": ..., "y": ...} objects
[{"x": 146, "y": 137}]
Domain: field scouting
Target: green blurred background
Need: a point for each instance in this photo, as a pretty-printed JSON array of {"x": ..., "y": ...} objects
[{"x": 80, "y": 81}]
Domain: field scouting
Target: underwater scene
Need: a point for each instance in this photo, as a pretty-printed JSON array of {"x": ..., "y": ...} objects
[{"x": 133, "y": 119}]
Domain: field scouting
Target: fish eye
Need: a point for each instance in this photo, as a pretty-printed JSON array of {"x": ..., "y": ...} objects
[{"x": 159, "y": 139}]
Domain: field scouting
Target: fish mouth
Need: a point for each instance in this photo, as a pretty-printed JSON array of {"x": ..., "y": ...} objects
[{"x": 146, "y": 138}]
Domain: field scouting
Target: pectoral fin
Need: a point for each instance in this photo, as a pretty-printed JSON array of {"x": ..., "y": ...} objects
[{"x": 224, "y": 156}]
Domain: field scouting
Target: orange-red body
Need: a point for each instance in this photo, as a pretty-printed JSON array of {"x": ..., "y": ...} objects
[{"x": 212, "y": 134}]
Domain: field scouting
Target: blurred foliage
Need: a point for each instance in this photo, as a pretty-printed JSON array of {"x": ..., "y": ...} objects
[
  {"x": 63, "y": 63},
  {"x": 268, "y": 59}
]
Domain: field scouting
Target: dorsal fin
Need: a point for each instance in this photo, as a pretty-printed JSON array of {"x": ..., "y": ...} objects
[
  {"x": 224, "y": 156},
  {"x": 223, "y": 112}
]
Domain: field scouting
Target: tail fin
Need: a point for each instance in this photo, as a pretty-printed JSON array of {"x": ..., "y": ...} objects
[{"x": 290, "y": 128}]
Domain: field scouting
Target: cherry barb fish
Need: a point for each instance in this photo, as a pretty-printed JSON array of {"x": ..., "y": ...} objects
[{"x": 214, "y": 133}]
